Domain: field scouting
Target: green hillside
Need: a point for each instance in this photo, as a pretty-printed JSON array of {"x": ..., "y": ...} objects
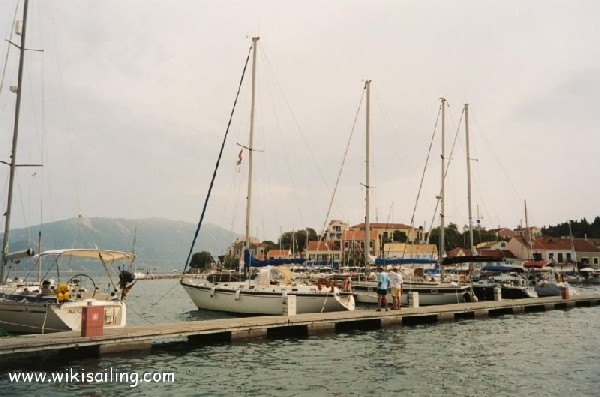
[{"x": 159, "y": 243}]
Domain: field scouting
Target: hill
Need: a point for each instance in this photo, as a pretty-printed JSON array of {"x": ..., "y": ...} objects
[{"x": 160, "y": 244}]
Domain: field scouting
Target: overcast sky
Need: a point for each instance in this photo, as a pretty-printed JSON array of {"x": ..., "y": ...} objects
[{"x": 128, "y": 104}]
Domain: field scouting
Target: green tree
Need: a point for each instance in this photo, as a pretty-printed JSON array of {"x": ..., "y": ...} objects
[
  {"x": 296, "y": 240},
  {"x": 202, "y": 260},
  {"x": 400, "y": 236}
]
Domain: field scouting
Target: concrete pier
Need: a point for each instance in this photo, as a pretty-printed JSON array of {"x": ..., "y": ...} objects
[{"x": 231, "y": 330}]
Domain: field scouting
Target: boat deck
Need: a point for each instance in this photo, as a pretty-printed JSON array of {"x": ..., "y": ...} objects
[{"x": 145, "y": 337}]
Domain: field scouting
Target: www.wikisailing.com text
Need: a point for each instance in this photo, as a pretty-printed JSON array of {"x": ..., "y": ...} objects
[{"x": 76, "y": 375}]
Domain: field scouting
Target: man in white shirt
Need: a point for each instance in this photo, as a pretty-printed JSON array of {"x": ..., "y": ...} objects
[{"x": 396, "y": 284}]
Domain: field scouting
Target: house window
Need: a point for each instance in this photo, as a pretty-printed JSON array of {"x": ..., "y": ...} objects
[
  {"x": 595, "y": 260},
  {"x": 551, "y": 255},
  {"x": 560, "y": 257},
  {"x": 568, "y": 257}
]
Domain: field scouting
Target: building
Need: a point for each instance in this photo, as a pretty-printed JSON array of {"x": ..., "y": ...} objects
[
  {"x": 385, "y": 234},
  {"x": 236, "y": 250},
  {"x": 412, "y": 251},
  {"x": 551, "y": 249},
  {"x": 323, "y": 252},
  {"x": 353, "y": 244},
  {"x": 279, "y": 254}
]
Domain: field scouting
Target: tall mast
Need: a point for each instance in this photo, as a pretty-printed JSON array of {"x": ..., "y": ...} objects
[
  {"x": 13, "y": 165},
  {"x": 529, "y": 241},
  {"x": 442, "y": 210},
  {"x": 367, "y": 180},
  {"x": 573, "y": 252},
  {"x": 472, "y": 246},
  {"x": 250, "y": 143}
]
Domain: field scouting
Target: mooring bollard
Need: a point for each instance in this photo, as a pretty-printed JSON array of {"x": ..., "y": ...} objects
[
  {"x": 497, "y": 294},
  {"x": 289, "y": 305},
  {"x": 413, "y": 299}
]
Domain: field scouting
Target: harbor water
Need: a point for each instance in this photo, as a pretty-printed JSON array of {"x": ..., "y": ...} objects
[{"x": 552, "y": 353}]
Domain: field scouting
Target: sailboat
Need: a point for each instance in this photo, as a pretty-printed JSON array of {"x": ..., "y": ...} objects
[
  {"x": 48, "y": 305},
  {"x": 491, "y": 276},
  {"x": 430, "y": 293},
  {"x": 545, "y": 282},
  {"x": 272, "y": 289}
]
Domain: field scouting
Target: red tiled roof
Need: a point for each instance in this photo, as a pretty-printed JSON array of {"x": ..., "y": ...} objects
[
  {"x": 388, "y": 226},
  {"x": 358, "y": 235},
  {"x": 321, "y": 246},
  {"x": 584, "y": 246}
]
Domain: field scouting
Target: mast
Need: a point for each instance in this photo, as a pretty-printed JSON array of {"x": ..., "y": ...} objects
[
  {"x": 13, "y": 165},
  {"x": 472, "y": 247},
  {"x": 573, "y": 252},
  {"x": 529, "y": 242},
  {"x": 250, "y": 143},
  {"x": 367, "y": 180},
  {"x": 442, "y": 210}
]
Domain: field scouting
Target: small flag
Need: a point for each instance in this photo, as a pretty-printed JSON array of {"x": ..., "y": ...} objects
[{"x": 239, "y": 160}]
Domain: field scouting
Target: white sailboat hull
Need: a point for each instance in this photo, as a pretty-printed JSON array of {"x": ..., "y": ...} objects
[
  {"x": 44, "y": 317},
  {"x": 428, "y": 294},
  {"x": 241, "y": 298}
]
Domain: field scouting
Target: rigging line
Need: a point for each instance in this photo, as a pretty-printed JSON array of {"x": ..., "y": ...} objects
[
  {"x": 387, "y": 224},
  {"x": 412, "y": 218},
  {"x": 343, "y": 162},
  {"x": 212, "y": 181},
  {"x": 10, "y": 39},
  {"x": 446, "y": 172},
  {"x": 283, "y": 141},
  {"x": 293, "y": 116}
]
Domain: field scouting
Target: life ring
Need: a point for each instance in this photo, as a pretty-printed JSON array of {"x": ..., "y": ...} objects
[{"x": 62, "y": 292}]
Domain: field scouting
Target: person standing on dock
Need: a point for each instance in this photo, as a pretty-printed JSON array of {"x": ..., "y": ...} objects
[
  {"x": 396, "y": 284},
  {"x": 383, "y": 280}
]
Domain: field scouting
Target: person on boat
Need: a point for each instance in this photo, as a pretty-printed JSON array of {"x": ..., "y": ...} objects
[
  {"x": 396, "y": 284},
  {"x": 383, "y": 280}
]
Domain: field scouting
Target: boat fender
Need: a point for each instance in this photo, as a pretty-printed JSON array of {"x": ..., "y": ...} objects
[
  {"x": 333, "y": 285},
  {"x": 62, "y": 292},
  {"x": 319, "y": 284}
]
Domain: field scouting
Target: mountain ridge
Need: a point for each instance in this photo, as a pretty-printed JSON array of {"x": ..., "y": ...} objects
[{"x": 160, "y": 244}]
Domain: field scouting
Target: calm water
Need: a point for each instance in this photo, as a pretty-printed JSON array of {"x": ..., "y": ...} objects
[{"x": 543, "y": 354}]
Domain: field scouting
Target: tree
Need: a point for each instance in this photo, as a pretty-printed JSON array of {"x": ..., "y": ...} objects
[
  {"x": 400, "y": 236},
  {"x": 296, "y": 240},
  {"x": 202, "y": 260}
]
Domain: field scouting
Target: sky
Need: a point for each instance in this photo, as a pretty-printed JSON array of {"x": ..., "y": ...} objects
[{"x": 128, "y": 103}]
